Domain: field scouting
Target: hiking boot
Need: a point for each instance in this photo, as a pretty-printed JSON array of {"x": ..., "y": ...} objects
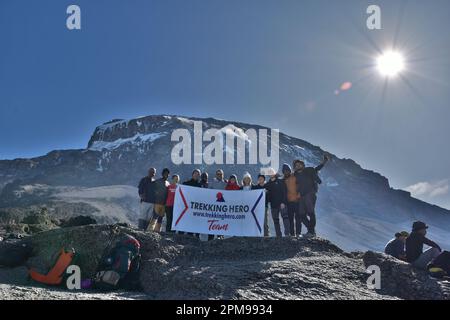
[{"x": 309, "y": 235}]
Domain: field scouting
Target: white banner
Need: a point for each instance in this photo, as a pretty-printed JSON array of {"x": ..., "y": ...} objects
[{"x": 219, "y": 212}]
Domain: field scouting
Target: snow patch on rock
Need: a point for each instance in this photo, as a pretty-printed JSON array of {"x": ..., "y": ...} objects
[{"x": 136, "y": 139}]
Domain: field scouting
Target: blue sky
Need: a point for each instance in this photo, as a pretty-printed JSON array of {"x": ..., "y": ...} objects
[{"x": 274, "y": 63}]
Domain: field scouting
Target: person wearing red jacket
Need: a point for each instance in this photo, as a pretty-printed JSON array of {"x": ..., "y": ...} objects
[
  {"x": 171, "y": 189},
  {"x": 233, "y": 183}
]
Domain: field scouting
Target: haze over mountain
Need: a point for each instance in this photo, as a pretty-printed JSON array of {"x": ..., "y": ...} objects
[{"x": 357, "y": 208}]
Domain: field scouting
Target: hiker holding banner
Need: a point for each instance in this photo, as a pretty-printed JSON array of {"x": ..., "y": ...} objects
[
  {"x": 233, "y": 183},
  {"x": 261, "y": 185},
  {"x": 246, "y": 182},
  {"x": 171, "y": 189},
  {"x": 218, "y": 183},
  {"x": 194, "y": 182}
]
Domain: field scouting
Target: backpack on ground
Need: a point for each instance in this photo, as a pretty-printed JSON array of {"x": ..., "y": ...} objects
[
  {"x": 56, "y": 274},
  {"x": 119, "y": 267},
  {"x": 439, "y": 267}
]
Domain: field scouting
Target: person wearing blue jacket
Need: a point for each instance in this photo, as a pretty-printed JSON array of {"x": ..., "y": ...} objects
[{"x": 396, "y": 246}]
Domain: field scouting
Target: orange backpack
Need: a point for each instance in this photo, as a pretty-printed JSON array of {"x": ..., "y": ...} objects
[{"x": 55, "y": 275}]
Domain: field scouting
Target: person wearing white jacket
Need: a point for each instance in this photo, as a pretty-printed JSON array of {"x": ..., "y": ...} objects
[{"x": 246, "y": 182}]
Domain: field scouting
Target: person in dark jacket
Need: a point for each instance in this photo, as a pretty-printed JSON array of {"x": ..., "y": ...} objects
[
  {"x": 160, "y": 190},
  {"x": 396, "y": 247},
  {"x": 414, "y": 246},
  {"x": 195, "y": 180},
  {"x": 276, "y": 193},
  {"x": 262, "y": 185},
  {"x": 308, "y": 181},
  {"x": 204, "y": 180},
  {"x": 147, "y": 196}
]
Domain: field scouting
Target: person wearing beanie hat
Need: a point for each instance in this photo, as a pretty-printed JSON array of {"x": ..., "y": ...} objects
[
  {"x": 414, "y": 246},
  {"x": 262, "y": 185},
  {"x": 246, "y": 182},
  {"x": 233, "y": 183},
  {"x": 307, "y": 179},
  {"x": 276, "y": 194},
  {"x": 195, "y": 179},
  {"x": 396, "y": 246},
  {"x": 295, "y": 221}
]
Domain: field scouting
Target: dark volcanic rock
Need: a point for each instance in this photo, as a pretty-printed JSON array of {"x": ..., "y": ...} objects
[
  {"x": 14, "y": 253},
  {"x": 78, "y": 221}
]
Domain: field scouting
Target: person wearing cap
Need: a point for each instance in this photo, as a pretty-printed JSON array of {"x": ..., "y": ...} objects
[
  {"x": 308, "y": 181},
  {"x": 262, "y": 185},
  {"x": 218, "y": 183},
  {"x": 396, "y": 247},
  {"x": 276, "y": 194},
  {"x": 159, "y": 210},
  {"x": 414, "y": 246}
]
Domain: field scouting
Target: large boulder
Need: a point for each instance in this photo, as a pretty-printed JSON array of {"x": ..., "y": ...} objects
[
  {"x": 254, "y": 268},
  {"x": 14, "y": 252},
  {"x": 401, "y": 279}
]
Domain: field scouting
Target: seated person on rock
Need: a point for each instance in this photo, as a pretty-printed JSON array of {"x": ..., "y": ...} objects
[
  {"x": 414, "y": 246},
  {"x": 396, "y": 247}
]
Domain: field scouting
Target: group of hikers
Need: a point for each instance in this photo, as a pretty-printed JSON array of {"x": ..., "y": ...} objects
[
  {"x": 409, "y": 247},
  {"x": 291, "y": 195}
]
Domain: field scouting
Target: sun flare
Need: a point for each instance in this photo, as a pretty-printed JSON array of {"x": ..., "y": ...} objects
[{"x": 390, "y": 63}]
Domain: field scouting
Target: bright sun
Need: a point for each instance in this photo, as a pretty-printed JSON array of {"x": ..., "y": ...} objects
[{"x": 390, "y": 63}]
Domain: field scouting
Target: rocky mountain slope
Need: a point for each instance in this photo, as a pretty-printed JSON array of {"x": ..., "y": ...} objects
[
  {"x": 357, "y": 208},
  {"x": 182, "y": 267}
]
